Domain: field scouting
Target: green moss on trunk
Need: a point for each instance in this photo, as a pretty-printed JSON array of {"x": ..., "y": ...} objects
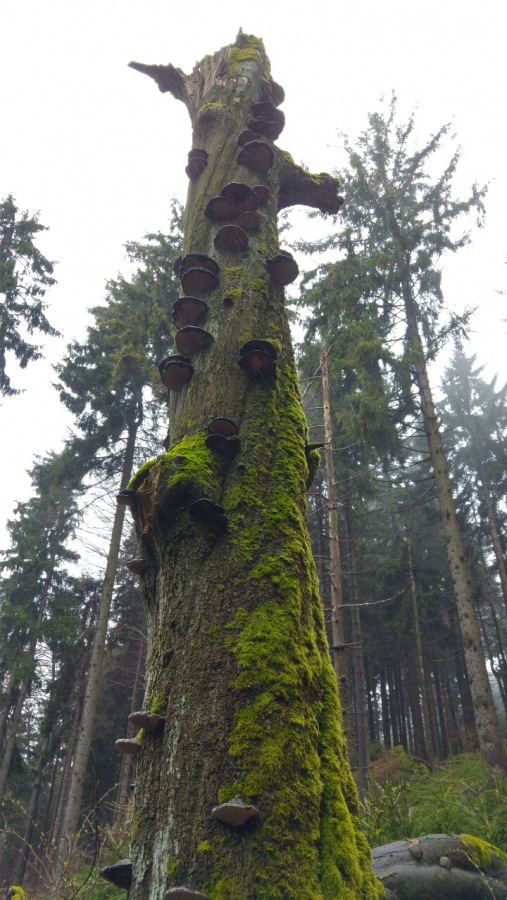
[{"x": 237, "y": 659}]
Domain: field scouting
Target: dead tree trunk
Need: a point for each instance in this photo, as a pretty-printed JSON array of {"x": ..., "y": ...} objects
[{"x": 237, "y": 657}]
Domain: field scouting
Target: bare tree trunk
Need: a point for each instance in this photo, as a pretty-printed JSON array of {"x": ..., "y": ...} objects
[
  {"x": 339, "y": 643},
  {"x": 421, "y": 674},
  {"x": 490, "y": 740},
  {"x": 123, "y": 796},
  {"x": 86, "y": 725},
  {"x": 26, "y": 847},
  {"x": 360, "y": 688}
]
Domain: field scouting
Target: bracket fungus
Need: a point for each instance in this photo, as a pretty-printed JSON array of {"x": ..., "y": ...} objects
[
  {"x": 127, "y": 498},
  {"x": 268, "y": 120},
  {"x": 184, "y": 893},
  {"x": 257, "y": 358},
  {"x": 137, "y": 566},
  {"x": 256, "y": 155},
  {"x": 192, "y": 260},
  {"x": 197, "y": 162},
  {"x": 221, "y": 425},
  {"x": 120, "y": 874},
  {"x": 283, "y": 268},
  {"x": 231, "y": 239},
  {"x": 245, "y": 137},
  {"x": 235, "y": 198},
  {"x": 234, "y": 812},
  {"x": 130, "y": 746},
  {"x": 188, "y": 311},
  {"x": 176, "y": 372},
  {"x": 250, "y": 221},
  {"x": 150, "y": 721},
  {"x": 209, "y": 513},
  {"x": 198, "y": 281},
  {"x": 190, "y": 339},
  {"x": 224, "y": 446},
  {"x": 197, "y": 272},
  {"x": 263, "y": 192}
]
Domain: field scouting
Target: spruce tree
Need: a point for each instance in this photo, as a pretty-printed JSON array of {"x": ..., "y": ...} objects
[
  {"x": 25, "y": 275},
  {"x": 399, "y": 222}
]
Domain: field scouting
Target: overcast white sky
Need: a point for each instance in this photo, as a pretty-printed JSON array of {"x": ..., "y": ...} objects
[{"x": 96, "y": 148}]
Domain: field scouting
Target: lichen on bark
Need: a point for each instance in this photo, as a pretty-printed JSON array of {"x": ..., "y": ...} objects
[{"x": 237, "y": 655}]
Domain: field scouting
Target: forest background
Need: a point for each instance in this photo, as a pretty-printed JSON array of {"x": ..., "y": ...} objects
[{"x": 472, "y": 278}]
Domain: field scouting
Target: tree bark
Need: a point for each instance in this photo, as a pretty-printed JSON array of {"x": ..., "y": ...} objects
[{"x": 237, "y": 657}]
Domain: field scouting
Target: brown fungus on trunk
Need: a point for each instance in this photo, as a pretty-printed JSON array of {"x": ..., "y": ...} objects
[
  {"x": 245, "y": 137},
  {"x": 250, "y": 221},
  {"x": 188, "y": 311},
  {"x": 257, "y": 358},
  {"x": 224, "y": 446},
  {"x": 198, "y": 281},
  {"x": 130, "y": 746},
  {"x": 197, "y": 162},
  {"x": 147, "y": 720},
  {"x": 268, "y": 120},
  {"x": 137, "y": 566},
  {"x": 190, "y": 339},
  {"x": 256, "y": 155},
  {"x": 222, "y": 425},
  {"x": 127, "y": 498},
  {"x": 263, "y": 193},
  {"x": 235, "y": 198},
  {"x": 209, "y": 513},
  {"x": 234, "y": 812},
  {"x": 119, "y": 874},
  {"x": 177, "y": 371},
  {"x": 231, "y": 239},
  {"x": 283, "y": 268}
]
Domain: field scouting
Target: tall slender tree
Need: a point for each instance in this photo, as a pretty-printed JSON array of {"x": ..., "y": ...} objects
[
  {"x": 25, "y": 275},
  {"x": 399, "y": 224},
  {"x": 106, "y": 382}
]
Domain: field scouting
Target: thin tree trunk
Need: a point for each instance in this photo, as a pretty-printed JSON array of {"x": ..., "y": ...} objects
[
  {"x": 360, "y": 688},
  {"x": 414, "y": 685},
  {"x": 123, "y": 796},
  {"x": 15, "y": 720},
  {"x": 87, "y": 722},
  {"x": 490, "y": 740},
  {"x": 386, "y": 718},
  {"x": 421, "y": 674},
  {"x": 339, "y": 644},
  {"x": 26, "y": 847}
]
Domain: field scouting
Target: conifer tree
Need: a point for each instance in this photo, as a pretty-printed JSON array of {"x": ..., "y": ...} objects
[
  {"x": 25, "y": 275},
  {"x": 399, "y": 224},
  {"x": 106, "y": 382}
]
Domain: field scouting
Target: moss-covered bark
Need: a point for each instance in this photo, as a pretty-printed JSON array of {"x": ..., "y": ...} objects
[{"x": 237, "y": 656}]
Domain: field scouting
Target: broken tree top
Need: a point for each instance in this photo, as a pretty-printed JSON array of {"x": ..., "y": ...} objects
[{"x": 241, "y": 68}]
